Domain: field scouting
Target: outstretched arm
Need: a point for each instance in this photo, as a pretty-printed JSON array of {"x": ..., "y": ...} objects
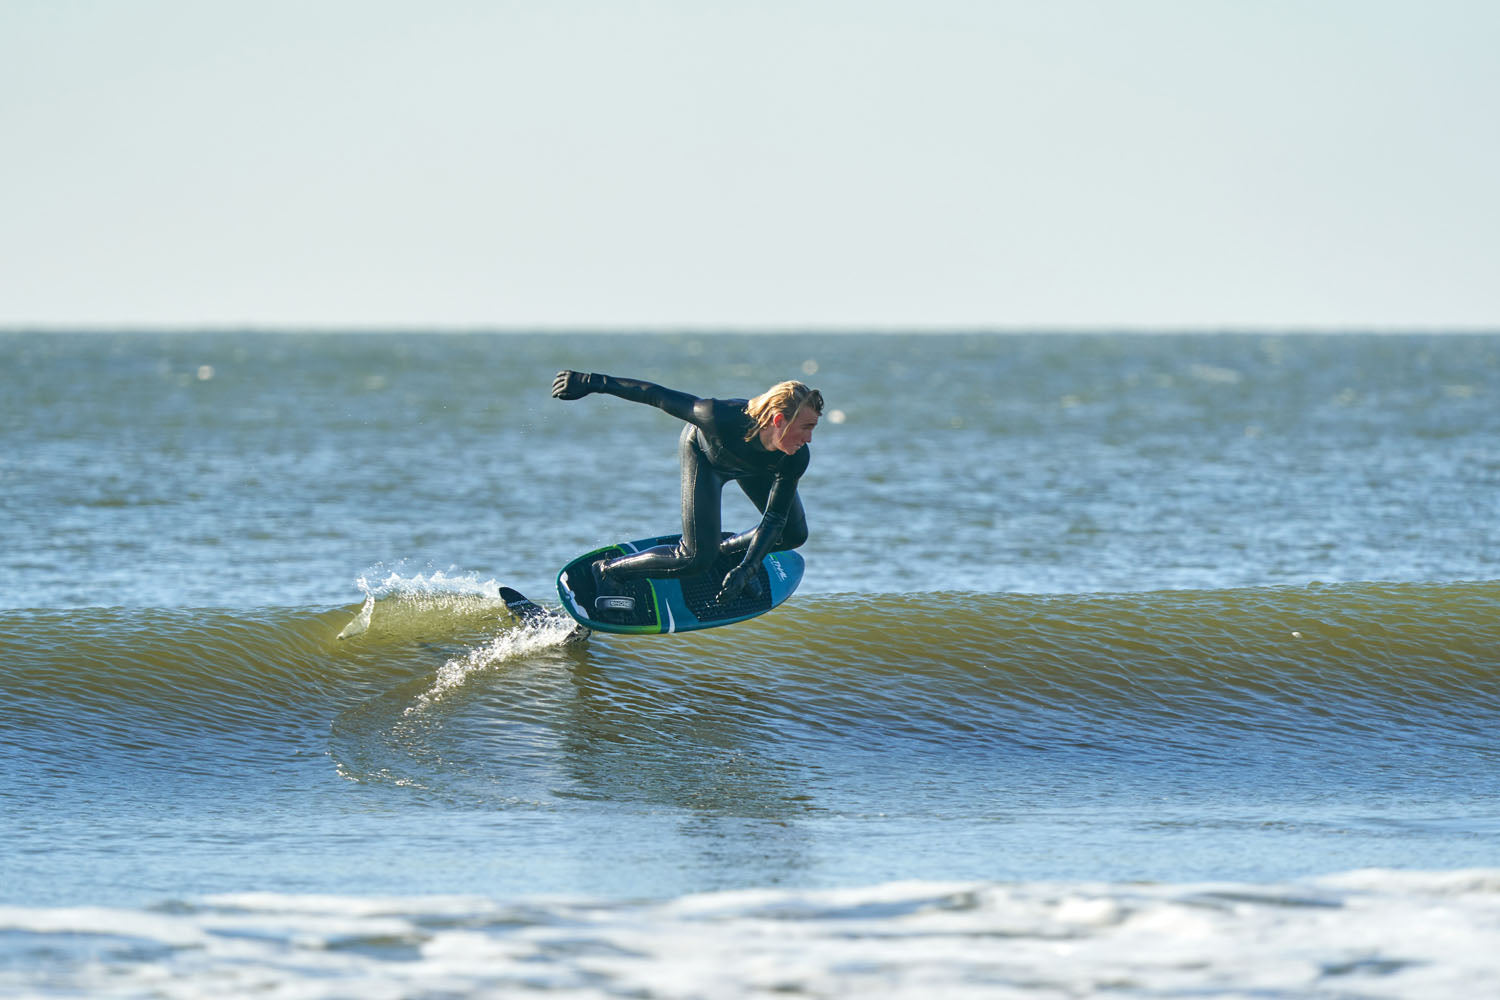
[{"x": 576, "y": 385}]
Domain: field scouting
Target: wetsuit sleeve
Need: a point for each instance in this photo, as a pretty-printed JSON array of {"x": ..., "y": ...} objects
[
  {"x": 778, "y": 505},
  {"x": 681, "y": 405}
]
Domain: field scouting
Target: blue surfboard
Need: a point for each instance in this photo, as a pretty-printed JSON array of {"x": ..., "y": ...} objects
[{"x": 651, "y": 606}]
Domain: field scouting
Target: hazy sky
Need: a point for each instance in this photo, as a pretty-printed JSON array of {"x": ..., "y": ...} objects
[{"x": 607, "y": 163}]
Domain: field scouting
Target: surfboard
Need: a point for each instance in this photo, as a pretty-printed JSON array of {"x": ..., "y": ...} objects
[{"x": 652, "y": 606}]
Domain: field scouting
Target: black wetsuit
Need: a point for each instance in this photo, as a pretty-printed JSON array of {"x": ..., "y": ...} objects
[{"x": 714, "y": 450}]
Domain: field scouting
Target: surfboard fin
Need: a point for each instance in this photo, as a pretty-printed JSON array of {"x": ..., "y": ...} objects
[{"x": 528, "y": 612}]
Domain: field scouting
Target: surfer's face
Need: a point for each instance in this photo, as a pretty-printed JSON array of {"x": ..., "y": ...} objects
[{"x": 790, "y": 435}]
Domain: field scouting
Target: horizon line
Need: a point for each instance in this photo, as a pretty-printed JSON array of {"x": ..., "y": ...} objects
[{"x": 730, "y": 329}]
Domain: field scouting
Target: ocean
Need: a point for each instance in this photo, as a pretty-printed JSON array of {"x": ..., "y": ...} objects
[{"x": 1142, "y": 665}]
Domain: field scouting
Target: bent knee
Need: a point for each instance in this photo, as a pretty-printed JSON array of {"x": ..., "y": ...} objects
[
  {"x": 792, "y": 536},
  {"x": 697, "y": 561}
]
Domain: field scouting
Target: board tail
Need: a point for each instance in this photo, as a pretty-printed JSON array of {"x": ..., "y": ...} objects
[{"x": 528, "y": 612}]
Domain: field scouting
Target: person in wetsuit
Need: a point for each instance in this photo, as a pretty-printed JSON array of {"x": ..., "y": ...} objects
[{"x": 759, "y": 443}]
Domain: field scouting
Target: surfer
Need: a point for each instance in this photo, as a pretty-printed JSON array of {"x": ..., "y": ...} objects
[{"x": 759, "y": 443}]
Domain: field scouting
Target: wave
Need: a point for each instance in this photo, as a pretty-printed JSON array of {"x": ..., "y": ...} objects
[
  {"x": 1199, "y": 675},
  {"x": 1410, "y": 644}
]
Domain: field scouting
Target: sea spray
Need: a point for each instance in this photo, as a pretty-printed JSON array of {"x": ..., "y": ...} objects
[{"x": 519, "y": 642}]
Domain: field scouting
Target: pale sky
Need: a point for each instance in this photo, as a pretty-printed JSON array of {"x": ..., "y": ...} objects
[{"x": 760, "y": 164}]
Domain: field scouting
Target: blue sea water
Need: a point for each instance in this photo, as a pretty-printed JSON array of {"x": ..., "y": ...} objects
[{"x": 1155, "y": 664}]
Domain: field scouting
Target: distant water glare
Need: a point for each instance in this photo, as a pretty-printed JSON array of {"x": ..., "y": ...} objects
[{"x": 1030, "y": 464}]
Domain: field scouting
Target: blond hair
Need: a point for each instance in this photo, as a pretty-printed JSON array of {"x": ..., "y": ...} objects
[{"x": 785, "y": 398}]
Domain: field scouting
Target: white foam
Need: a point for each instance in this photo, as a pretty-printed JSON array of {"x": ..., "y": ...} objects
[{"x": 1370, "y": 934}]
